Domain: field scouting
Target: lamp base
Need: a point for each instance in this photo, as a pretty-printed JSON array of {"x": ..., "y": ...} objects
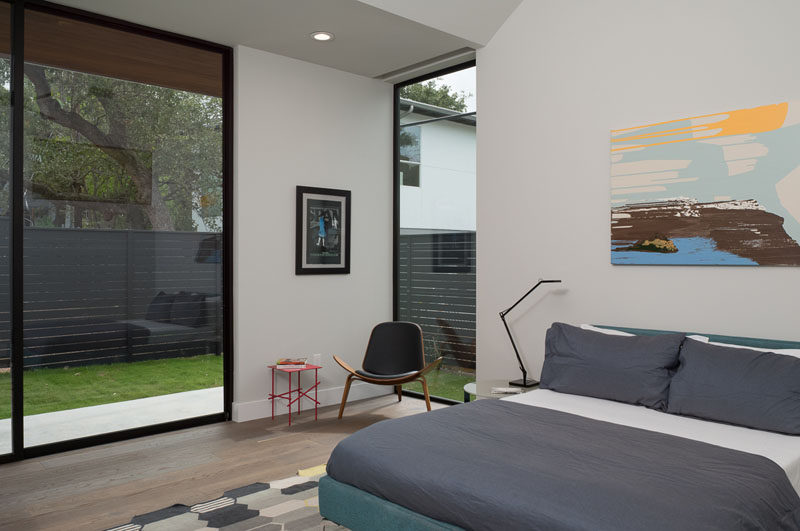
[{"x": 524, "y": 383}]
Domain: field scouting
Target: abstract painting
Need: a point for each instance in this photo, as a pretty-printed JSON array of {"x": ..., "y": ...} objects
[{"x": 715, "y": 189}]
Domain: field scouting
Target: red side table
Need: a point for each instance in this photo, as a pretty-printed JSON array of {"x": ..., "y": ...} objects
[{"x": 300, "y": 391}]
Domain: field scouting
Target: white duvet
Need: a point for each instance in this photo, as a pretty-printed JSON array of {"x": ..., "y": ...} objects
[{"x": 782, "y": 449}]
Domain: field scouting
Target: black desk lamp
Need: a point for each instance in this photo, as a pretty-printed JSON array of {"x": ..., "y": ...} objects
[{"x": 524, "y": 382}]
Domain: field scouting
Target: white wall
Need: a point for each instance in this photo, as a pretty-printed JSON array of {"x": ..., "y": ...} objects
[
  {"x": 445, "y": 198},
  {"x": 303, "y": 124},
  {"x": 554, "y": 80}
]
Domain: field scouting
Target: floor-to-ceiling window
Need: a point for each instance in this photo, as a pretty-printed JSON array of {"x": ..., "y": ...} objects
[
  {"x": 5, "y": 227},
  {"x": 435, "y": 221},
  {"x": 125, "y": 179}
]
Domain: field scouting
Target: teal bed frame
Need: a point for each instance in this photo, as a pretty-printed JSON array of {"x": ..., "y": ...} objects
[
  {"x": 731, "y": 340},
  {"x": 358, "y": 510}
]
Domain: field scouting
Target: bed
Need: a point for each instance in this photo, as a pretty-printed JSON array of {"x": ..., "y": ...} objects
[{"x": 561, "y": 461}]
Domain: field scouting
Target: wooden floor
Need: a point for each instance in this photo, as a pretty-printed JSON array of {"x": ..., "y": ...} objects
[{"x": 106, "y": 485}]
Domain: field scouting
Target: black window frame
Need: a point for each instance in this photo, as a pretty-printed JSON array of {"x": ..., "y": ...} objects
[
  {"x": 409, "y": 163},
  {"x": 17, "y": 23},
  {"x": 396, "y": 198}
]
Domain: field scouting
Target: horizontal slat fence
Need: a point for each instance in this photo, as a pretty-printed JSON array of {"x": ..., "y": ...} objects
[
  {"x": 76, "y": 278},
  {"x": 436, "y": 289}
]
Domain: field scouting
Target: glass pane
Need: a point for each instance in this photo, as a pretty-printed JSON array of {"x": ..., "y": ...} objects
[
  {"x": 123, "y": 242},
  {"x": 5, "y": 229},
  {"x": 436, "y": 279}
]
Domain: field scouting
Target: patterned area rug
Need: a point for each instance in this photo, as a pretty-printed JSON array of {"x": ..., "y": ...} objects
[{"x": 289, "y": 504}]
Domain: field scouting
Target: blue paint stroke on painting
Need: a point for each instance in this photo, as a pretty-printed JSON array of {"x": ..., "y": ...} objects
[
  {"x": 727, "y": 183},
  {"x": 699, "y": 251}
]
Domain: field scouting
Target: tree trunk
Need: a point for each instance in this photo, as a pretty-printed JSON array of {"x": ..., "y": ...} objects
[
  {"x": 157, "y": 211},
  {"x": 60, "y": 216},
  {"x": 114, "y": 144},
  {"x": 77, "y": 222}
]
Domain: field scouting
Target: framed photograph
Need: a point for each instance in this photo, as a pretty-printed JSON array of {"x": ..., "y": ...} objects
[{"x": 323, "y": 231}]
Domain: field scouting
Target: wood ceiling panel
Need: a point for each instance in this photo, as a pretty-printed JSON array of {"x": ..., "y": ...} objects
[{"x": 73, "y": 44}]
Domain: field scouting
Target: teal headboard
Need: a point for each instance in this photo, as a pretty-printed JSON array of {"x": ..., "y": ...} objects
[{"x": 746, "y": 341}]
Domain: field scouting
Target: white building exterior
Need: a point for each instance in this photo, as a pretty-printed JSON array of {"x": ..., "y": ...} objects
[{"x": 445, "y": 198}]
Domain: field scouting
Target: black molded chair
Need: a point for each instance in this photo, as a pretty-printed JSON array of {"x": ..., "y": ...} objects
[{"x": 395, "y": 355}]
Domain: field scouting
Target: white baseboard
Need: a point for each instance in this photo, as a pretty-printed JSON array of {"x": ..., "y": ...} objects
[{"x": 259, "y": 409}]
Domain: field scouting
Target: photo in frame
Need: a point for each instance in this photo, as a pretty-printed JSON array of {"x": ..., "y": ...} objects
[{"x": 323, "y": 231}]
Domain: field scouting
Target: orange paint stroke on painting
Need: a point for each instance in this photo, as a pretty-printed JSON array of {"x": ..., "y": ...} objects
[{"x": 740, "y": 122}]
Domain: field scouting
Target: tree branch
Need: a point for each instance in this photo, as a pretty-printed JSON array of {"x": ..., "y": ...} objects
[
  {"x": 51, "y": 109},
  {"x": 112, "y": 144},
  {"x": 46, "y": 192}
]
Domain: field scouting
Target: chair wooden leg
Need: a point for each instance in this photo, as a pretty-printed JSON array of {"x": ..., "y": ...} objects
[
  {"x": 399, "y": 389},
  {"x": 344, "y": 394},
  {"x": 425, "y": 390}
]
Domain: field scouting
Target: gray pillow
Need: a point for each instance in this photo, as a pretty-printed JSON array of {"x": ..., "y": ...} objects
[
  {"x": 739, "y": 386},
  {"x": 636, "y": 369},
  {"x": 160, "y": 308},
  {"x": 188, "y": 309}
]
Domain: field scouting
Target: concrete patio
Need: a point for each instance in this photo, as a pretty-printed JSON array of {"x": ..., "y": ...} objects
[{"x": 94, "y": 420}]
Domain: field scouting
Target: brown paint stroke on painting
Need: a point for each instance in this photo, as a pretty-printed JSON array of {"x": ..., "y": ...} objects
[{"x": 743, "y": 227}]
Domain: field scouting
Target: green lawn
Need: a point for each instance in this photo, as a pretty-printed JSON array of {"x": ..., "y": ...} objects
[
  {"x": 49, "y": 390},
  {"x": 444, "y": 383}
]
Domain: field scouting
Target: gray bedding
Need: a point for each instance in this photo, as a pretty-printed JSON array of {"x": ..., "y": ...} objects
[{"x": 503, "y": 465}]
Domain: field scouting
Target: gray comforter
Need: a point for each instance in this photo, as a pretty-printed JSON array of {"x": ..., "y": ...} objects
[{"x": 502, "y": 465}]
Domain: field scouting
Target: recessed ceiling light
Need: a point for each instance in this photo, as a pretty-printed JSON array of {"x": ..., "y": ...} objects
[{"x": 322, "y": 36}]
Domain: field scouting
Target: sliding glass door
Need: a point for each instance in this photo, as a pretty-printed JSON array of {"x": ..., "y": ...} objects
[
  {"x": 435, "y": 219},
  {"x": 5, "y": 228},
  {"x": 125, "y": 177}
]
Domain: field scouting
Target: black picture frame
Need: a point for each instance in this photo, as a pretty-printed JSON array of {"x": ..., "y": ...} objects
[{"x": 323, "y": 220}]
